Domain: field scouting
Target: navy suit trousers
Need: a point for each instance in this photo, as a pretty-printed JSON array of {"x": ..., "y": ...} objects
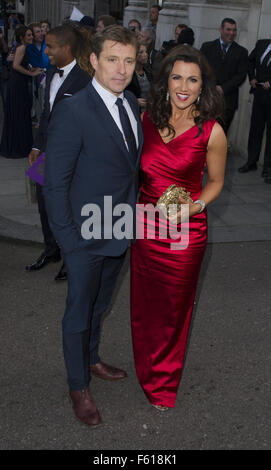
[{"x": 91, "y": 282}]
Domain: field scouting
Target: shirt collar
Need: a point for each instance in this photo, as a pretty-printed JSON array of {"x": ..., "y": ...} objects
[
  {"x": 68, "y": 67},
  {"x": 108, "y": 97},
  {"x": 227, "y": 46}
]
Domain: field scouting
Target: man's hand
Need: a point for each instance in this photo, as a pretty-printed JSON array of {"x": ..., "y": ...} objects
[
  {"x": 266, "y": 86},
  {"x": 220, "y": 89},
  {"x": 253, "y": 82},
  {"x": 33, "y": 156}
]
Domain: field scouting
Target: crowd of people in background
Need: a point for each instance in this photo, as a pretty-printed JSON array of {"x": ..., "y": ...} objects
[{"x": 24, "y": 63}]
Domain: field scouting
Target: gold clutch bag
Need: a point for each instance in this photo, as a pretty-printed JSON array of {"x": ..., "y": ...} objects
[{"x": 171, "y": 196}]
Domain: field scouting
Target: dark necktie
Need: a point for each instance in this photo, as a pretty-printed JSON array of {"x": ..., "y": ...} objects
[
  {"x": 266, "y": 59},
  {"x": 60, "y": 72},
  {"x": 127, "y": 130},
  {"x": 224, "y": 50}
]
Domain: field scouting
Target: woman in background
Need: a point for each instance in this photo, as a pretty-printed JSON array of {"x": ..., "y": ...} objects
[
  {"x": 17, "y": 131},
  {"x": 142, "y": 77}
]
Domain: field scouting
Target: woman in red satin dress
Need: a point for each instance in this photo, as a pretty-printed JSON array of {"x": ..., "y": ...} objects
[{"x": 181, "y": 136}]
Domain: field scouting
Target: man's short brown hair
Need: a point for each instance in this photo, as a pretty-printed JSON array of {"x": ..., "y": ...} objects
[
  {"x": 113, "y": 33},
  {"x": 34, "y": 25}
]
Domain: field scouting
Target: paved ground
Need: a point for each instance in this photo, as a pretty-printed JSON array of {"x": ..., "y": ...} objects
[{"x": 224, "y": 400}]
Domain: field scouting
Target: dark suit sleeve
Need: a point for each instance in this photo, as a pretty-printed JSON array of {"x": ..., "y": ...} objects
[
  {"x": 252, "y": 63},
  {"x": 62, "y": 151},
  {"x": 40, "y": 138},
  {"x": 240, "y": 74},
  {"x": 203, "y": 48}
]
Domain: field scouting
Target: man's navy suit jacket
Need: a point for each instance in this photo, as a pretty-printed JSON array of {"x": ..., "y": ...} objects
[
  {"x": 256, "y": 70},
  {"x": 75, "y": 81},
  {"x": 229, "y": 73},
  {"x": 87, "y": 159}
]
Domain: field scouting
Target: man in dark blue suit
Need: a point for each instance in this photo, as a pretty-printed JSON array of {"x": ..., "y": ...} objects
[
  {"x": 229, "y": 62},
  {"x": 63, "y": 80},
  {"x": 92, "y": 158},
  {"x": 260, "y": 80}
]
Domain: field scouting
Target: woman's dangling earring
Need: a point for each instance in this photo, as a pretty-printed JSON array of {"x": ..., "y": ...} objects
[
  {"x": 198, "y": 98},
  {"x": 167, "y": 97}
]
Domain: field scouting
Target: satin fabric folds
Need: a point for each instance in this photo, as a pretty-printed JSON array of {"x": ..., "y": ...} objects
[{"x": 164, "y": 279}]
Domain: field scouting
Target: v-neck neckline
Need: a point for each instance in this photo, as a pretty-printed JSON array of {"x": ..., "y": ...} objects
[{"x": 177, "y": 137}]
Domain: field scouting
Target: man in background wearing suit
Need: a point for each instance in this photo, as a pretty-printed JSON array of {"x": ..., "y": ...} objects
[
  {"x": 63, "y": 80},
  {"x": 260, "y": 80},
  {"x": 229, "y": 62},
  {"x": 92, "y": 154}
]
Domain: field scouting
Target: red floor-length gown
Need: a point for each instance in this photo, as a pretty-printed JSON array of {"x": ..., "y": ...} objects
[{"x": 164, "y": 280}]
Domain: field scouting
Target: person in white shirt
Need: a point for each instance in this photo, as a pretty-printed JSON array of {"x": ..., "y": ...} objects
[{"x": 63, "y": 80}]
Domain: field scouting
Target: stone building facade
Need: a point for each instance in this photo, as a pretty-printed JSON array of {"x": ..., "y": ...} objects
[
  {"x": 57, "y": 10},
  {"x": 204, "y": 16}
]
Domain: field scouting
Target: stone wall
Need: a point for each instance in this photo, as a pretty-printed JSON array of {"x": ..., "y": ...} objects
[{"x": 55, "y": 10}]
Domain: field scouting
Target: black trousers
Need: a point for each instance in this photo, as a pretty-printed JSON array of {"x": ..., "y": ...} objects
[
  {"x": 91, "y": 282},
  {"x": 51, "y": 245},
  {"x": 260, "y": 118}
]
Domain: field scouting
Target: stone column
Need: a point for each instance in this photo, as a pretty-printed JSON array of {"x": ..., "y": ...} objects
[
  {"x": 36, "y": 10},
  {"x": 136, "y": 10},
  {"x": 172, "y": 14}
]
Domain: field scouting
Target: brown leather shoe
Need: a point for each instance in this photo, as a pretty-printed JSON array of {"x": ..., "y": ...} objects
[
  {"x": 84, "y": 407},
  {"x": 107, "y": 372}
]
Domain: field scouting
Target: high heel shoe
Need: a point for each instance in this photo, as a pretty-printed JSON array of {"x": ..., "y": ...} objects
[{"x": 160, "y": 407}]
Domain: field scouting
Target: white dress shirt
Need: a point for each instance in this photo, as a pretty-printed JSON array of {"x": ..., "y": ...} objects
[
  {"x": 57, "y": 81},
  {"x": 109, "y": 100},
  {"x": 227, "y": 46}
]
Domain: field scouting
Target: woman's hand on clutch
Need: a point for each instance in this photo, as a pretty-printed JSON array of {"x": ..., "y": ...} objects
[
  {"x": 192, "y": 210},
  {"x": 176, "y": 217}
]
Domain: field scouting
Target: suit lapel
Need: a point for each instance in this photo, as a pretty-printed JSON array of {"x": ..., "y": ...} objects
[
  {"x": 49, "y": 78},
  {"x": 66, "y": 84},
  {"x": 218, "y": 49},
  {"x": 231, "y": 51},
  {"x": 108, "y": 123},
  {"x": 265, "y": 44},
  {"x": 263, "y": 49}
]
